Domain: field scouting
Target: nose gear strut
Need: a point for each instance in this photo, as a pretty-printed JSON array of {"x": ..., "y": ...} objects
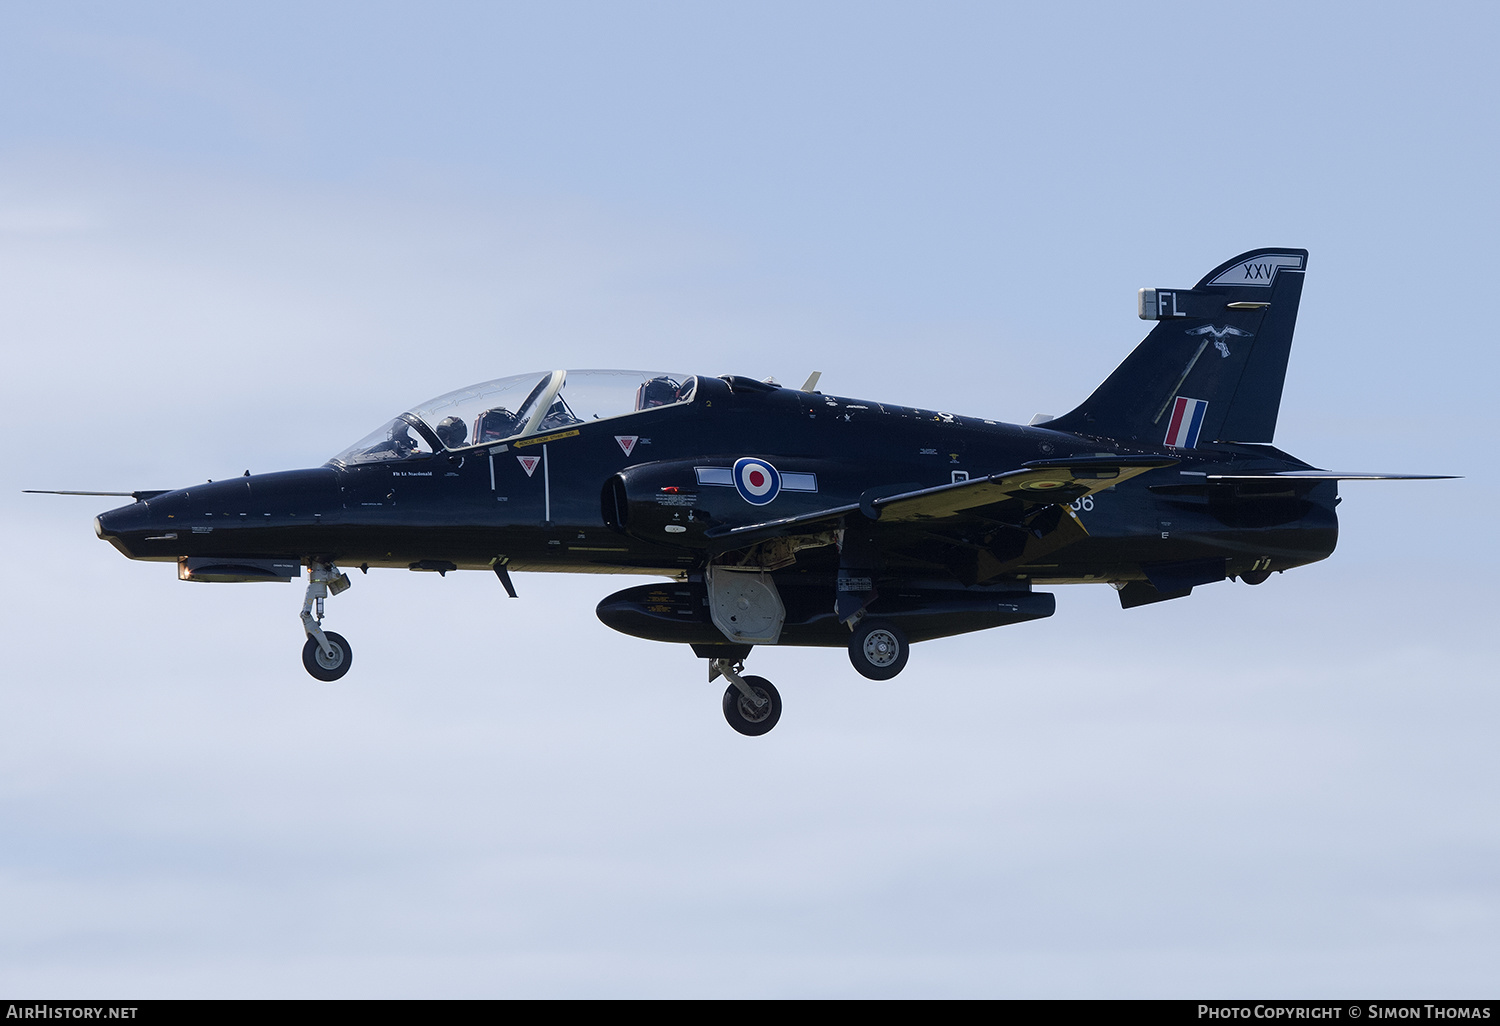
[{"x": 327, "y": 656}]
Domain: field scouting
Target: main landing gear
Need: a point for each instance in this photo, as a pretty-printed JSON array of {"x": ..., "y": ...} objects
[
  {"x": 878, "y": 649},
  {"x": 752, "y": 705},
  {"x": 327, "y": 656}
]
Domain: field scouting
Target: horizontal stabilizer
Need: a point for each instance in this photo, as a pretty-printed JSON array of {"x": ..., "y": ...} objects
[{"x": 1330, "y": 475}]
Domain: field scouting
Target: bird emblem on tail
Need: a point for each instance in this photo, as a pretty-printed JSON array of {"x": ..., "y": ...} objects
[{"x": 1220, "y": 334}]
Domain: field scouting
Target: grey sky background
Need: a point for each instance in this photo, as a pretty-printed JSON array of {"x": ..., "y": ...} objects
[{"x": 235, "y": 240}]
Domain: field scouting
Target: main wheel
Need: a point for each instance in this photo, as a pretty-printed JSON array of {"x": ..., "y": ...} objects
[
  {"x": 319, "y": 665},
  {"x": 877, "y": 649},
  {"x": 744, "y": 715}
]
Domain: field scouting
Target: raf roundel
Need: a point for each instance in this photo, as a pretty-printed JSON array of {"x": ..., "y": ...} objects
[{"x": 756, "y": 480}]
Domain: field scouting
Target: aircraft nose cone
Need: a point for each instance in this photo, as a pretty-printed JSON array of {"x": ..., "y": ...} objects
[
  {"x": 114, "y": 525},
  {"x": 111, "y": 523}
]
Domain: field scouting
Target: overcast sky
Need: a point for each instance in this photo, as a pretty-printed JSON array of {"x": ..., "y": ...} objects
[{"x": 241, "y": 240}]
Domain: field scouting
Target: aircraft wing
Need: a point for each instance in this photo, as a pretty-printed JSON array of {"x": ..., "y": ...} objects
[{"x": 1039, "y": 483}]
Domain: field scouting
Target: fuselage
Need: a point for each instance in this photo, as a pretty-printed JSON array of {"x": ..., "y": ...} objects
[{"x": 541, "y": 501}]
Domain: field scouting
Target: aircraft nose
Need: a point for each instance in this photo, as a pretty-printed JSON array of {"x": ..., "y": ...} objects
[
  {"x": 115, "y": 525},
  {"x": 247, "y": 513},
  {"x": 115, "y": 522}
]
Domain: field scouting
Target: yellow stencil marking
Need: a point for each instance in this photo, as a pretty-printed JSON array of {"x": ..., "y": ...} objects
[{"x": 539, "y": 439}]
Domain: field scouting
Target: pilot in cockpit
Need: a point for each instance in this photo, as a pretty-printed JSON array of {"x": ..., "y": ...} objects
[{"x": 452, "y": 431}]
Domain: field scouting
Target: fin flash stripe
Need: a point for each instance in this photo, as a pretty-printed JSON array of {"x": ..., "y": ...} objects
[{"x": 1187, "y": 421}]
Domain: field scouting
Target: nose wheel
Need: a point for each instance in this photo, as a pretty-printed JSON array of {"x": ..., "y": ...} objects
[
  {"x": 326, "y": 655},
  {"x": 322, "y": 664}
]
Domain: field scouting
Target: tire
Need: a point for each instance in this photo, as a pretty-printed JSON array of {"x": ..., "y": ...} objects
[
  {"x": 319, "y": 665},
  {"x": 745, "y": 717},
  {"x": 878, "y": 649}
]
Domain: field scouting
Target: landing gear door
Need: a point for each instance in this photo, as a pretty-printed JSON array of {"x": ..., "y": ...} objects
[{"x": 745, "y": 605}]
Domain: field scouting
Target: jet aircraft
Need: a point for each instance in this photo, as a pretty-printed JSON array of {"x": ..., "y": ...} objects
[{"x": 781, "y": 516}]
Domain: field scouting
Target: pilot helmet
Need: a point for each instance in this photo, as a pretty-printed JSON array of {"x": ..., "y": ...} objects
[{"x": 452, "y": 431}]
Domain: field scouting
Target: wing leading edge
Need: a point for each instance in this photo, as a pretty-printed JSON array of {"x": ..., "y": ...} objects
[{"x": 1039, "y": 483}]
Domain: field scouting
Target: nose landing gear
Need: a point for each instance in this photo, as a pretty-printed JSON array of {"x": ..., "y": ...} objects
[{"x": 327, "y": 656}]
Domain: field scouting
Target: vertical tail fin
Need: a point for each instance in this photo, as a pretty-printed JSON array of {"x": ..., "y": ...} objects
[{"x": 1213, "y": 368}]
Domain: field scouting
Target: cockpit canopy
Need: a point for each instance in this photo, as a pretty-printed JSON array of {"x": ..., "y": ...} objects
[{"x": 514, "y": 407}]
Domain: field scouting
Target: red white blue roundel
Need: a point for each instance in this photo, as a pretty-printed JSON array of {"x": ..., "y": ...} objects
[{"x": 756, "y": 480}]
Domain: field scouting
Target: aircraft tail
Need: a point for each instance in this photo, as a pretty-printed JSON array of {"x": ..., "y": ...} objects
[{"x": 1213, "y": 367}]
